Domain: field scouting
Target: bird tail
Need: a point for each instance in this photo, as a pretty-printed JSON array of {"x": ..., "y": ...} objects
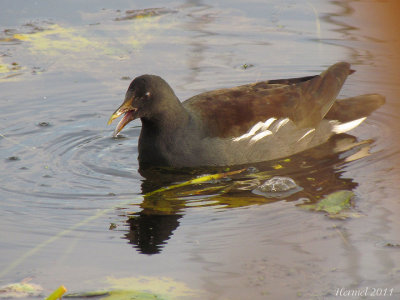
[{"x": 355, "y": 108}]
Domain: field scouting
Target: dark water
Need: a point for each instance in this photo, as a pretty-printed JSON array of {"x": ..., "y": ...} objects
[{"x": 73, "y": 209}]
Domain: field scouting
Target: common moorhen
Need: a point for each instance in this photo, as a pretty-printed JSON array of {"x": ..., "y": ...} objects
[{"x": 245, "y": 124}]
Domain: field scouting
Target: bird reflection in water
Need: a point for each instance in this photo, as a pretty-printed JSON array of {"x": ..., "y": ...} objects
[
  {"x": 318, "y": 171},
  {"x": 150, "y": 232}
]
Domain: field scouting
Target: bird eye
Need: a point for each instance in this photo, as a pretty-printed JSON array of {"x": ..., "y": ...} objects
[{"x": 147, "y": 95}]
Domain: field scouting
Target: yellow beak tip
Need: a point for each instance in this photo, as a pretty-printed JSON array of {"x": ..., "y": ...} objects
[{"x": 114, "y": 116}]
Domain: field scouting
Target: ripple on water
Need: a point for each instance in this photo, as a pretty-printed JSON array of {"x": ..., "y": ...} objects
[{"x": 71, "y": 163}]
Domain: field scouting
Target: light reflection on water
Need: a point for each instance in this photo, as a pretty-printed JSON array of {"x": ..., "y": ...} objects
[{"x": 62, "y": 168}]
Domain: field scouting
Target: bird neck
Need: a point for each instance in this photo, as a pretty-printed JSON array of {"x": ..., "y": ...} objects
[
  {"x": 168, "y": 119},
  {"x": 158, "y": 133}
]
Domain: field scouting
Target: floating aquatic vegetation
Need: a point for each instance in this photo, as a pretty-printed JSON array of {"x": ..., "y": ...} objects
[
  {"x": 10, "y": 70},
  {"x": 164, "y": 287},
  {"x": 22, "y": 289},
  {"x": 80, "y": 48},
  {"x": 143, "y": 13},
  {"x": 56, "y": 40},
  {"x": 197, "y": 180},
  {"x": 141, "y": 287},
  {"x": 336, "y": 205}
]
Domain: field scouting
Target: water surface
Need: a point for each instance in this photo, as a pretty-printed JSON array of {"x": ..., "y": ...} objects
[{"x": 74, "y": 208}]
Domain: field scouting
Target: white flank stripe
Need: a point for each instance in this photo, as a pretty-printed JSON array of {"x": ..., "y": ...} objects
[
  {"x": 307, "y": 133},
  {"x": 260, "y": 126},
  {"x": 260, "y": 136},
  {"x": 251, "y": 132},
  {"x": 280, "y": 124},
  {"x": 344, "y": 127},
  {"x": 268, "y": 123}
]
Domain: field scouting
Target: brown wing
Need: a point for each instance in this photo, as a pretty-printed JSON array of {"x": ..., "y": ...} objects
[{"x": 306, "y": 100}]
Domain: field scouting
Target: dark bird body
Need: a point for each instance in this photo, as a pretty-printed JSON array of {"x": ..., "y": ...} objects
[{"x": 245, "y": 124}]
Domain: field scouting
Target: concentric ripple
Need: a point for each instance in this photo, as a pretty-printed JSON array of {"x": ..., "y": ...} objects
[{"x": 66, "y": 161}]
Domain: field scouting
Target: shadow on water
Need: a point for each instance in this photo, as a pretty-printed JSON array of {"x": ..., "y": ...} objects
[{"x": 316, "y": 172}]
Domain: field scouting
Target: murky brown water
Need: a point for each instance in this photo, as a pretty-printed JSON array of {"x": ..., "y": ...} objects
[{"x": 64, "y": 180}]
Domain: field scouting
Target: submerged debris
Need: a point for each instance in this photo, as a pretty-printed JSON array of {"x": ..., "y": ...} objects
[
  {"x": 246, "y": 66},
  {"x": 13, "y": 158},
  {"x": 278, "y": 184},
  {"x": 278, "y": 187},
  {"x": 43, "y": 124}
]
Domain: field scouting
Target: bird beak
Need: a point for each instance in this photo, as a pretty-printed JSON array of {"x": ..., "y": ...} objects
[{"x": 130, "y": 114}]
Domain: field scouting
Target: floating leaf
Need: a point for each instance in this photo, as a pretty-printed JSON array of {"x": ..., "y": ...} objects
[{"x": 333, "y": 204}]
